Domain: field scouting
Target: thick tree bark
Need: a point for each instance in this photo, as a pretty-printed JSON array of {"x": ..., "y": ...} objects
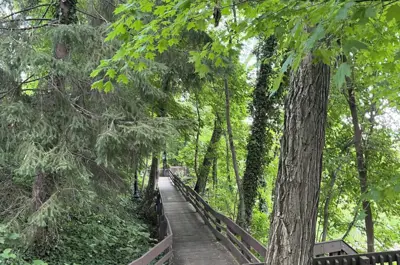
[
  {"x": 258, "y": 141},
  {"x": 328, "y": 199},
  {"x": 297, "y": 188},
  {"x": 151, "y": 185},
  {"x": 241, "y": 211},
  {"x": 204, "y": 169},
  {"x": 38, "y": 191},
  {"x": 361, "y": 166}
]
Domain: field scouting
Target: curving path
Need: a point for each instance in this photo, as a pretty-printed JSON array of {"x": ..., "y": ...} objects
[{"x": 193, "y": 241}]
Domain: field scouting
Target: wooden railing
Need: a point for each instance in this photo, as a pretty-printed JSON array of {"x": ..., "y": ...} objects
[
  {"x": 389, "y": 257},
  {"x": 242, "y": 245},
  {"x": 248, "y": 251},
  {"x": 333, "y": 248},
  {"x": 161, "y": 252}
]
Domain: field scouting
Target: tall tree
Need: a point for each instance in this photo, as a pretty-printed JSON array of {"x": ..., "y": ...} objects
[
  {"x": 296, "y": 195},
  {"x": 361, "y": 165},
  {"x": 258, "y": 141},
  {"x": 209, "y": 157},
  {"x": 241, "y": 210}
]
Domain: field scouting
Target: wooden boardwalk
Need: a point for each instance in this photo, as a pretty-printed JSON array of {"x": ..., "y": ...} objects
[{"x": 193, "y": 241}]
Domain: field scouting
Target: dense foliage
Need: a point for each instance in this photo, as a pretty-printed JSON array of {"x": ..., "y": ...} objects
[{"x": 92, "y": 91}]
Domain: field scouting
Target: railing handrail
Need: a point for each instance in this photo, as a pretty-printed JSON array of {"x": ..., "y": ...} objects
[
  {"x": 248, "y": 251},
  {"x": 361, "y": 259},
  {"x": 239, "y": 242},
  {"x": 163, "y": 249}
]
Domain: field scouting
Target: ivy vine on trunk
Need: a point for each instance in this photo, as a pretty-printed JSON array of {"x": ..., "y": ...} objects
[{"x": 260, "y": 140}]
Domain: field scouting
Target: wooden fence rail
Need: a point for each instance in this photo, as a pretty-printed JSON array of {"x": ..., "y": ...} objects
[
  {"x": 248, "y": 251},
  {"x": 242, "y": 245},
  {"x": 388, "y": 257},
  {"x": 161, "y": 252}
]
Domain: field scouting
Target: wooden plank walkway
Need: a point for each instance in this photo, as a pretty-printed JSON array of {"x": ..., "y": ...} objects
[{"x": 193, "y": 241}]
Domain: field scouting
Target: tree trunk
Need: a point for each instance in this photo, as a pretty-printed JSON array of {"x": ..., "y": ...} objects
[
  {"x": 258, "y": 140},
  {"x": 361, "y": 165},
  {"x": 328, "y": 199},
  {"x": 215, "y": 171},
  {"x": 66, "y": 16},
  {"x": 145, "y": 172},
  {"x": 38, "y": 191},
  {"x": 227, "y": 162},
  {"x": 204, "y": 169},
  {"x": 241, "y": 210},
  {"x": 151, "y": 186},
  {"x": 297, "y": 187},
  {"x": 196, "y": 151}
]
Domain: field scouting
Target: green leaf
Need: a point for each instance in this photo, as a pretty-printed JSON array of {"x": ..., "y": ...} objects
[
  {"x": 191, "y": 25},
  {"x": 95, "y": 72},
  {"x": 137, "y": 25},
  {"x": 141, "y": 66},
  {"x": 393, "y": 12},
  {"x": 277, "y": 83},
  {"x": 288, "y": 62},
  {"x": 317, "y": 34},
  {"x": 98, "y": 85},
  {"x": 162, "y": 45},
  {"x": 147, "y": 6},
  {"x": 202, "y": 69},
  {"x": 111, "y": 73},
  {"x": 343, "y": 11},
  {"x": 123, "y": 79},
  {"x": 325, "y": 55},
  {"x": 121, "y": 8},
  {"x": 370, "y": 12},
  {"x": 108, "y": 87},
  {"x": 340, "y": 76},
  {"x": 354, "y": 45}
]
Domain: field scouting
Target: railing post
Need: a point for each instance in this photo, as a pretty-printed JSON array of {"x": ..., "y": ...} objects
[{"x": 219, "y": 223}]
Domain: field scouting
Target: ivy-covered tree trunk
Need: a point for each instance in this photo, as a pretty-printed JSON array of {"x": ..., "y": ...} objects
[
  {"x": 241, "y": 210},
  {"x": 258, "y": 141},
  {"x": 361, "y": 166},
  {"x": 297, "y": 187},
  {"x": 205, "y": 167}
]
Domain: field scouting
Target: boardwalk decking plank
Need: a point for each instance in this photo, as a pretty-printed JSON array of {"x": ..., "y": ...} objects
[{"x": 193, "y": 242}]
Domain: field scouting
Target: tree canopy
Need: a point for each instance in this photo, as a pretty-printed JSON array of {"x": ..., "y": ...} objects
[{"x": 277, "y": 108}]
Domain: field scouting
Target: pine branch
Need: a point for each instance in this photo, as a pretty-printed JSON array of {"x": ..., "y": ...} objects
[
  {"x": 27, "y": 19},
  {"x": 28, "y": 28},
  {"x": 24, "y": 10},
  {"x": 90, "y": 15},
  {"x": 44, "y": 14}
]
